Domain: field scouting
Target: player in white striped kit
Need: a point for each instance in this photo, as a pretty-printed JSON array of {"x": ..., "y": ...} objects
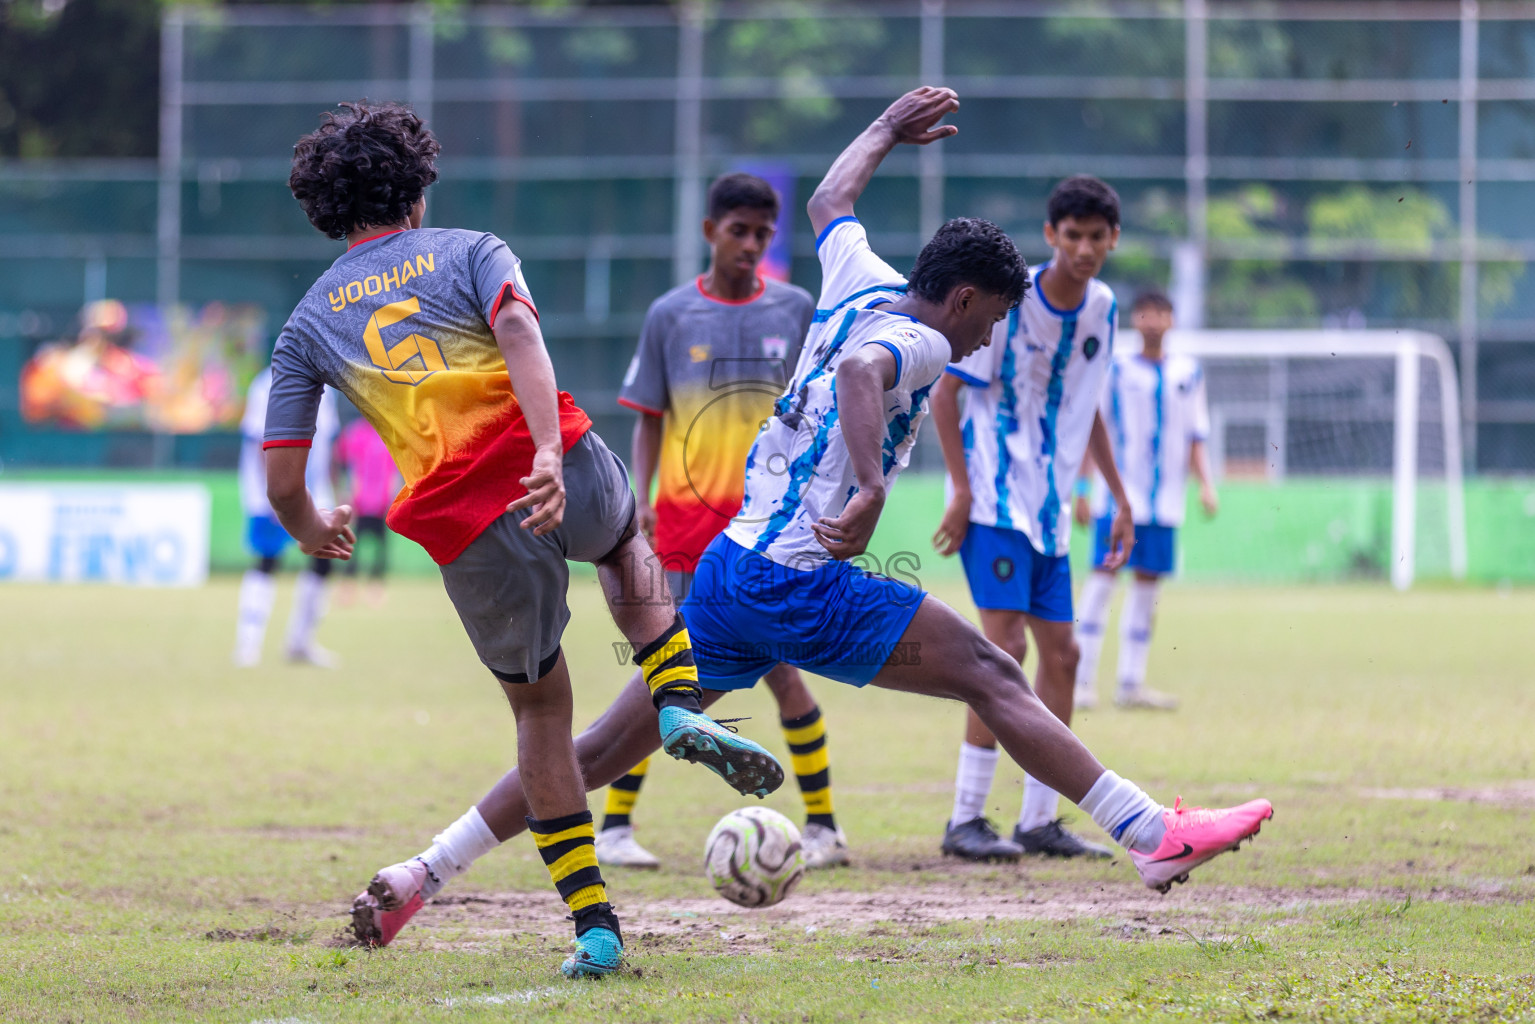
[
  {"x": 1158, "y": 418},
  {"x": 1030, "y": 414}
]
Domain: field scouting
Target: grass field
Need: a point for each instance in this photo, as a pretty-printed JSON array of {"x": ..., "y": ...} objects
[{"x": 182, "y": 840}]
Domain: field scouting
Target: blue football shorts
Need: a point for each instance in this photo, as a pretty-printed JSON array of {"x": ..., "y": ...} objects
[
  {"x": 1006, "y": 574},
  {"x": 1155, "y": 551},
  {"x": 746, "y": 613}
]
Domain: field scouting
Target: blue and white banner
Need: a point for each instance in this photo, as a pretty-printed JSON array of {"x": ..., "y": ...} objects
[{"x": 140, "y": 534}]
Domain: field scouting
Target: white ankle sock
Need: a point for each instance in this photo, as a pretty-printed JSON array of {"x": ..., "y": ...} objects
[
  {"x": 1040, "y": 804},
  {"x": 257, "y": 592},
  {"x": 1092, "y": 620},
  {"x": 972, "y": 782},
  {"x": 308, "y": 607},
  {"x": 1124, "y": 811},
  {"x": 1135, "y": 633},
  {"x": 454, "y": 849}
]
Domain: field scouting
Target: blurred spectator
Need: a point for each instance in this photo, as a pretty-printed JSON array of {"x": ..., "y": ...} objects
[{"x": 371, "y": 484}]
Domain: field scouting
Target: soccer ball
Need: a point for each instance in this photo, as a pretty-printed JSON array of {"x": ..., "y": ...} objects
[{"x": 753, "y": 857}]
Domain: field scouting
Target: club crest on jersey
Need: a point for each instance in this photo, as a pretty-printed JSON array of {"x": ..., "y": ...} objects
[
  {"x": 699, "y": 353},
  {"x": 775, "y": 347},
  {"x": 1090, "y": 346}
]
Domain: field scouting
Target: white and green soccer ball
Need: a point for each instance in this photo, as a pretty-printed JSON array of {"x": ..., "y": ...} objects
[{"x": 753, "y": 857}]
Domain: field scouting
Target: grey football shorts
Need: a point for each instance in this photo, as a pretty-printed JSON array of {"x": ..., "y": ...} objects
[{"x": 509, "y": 586}]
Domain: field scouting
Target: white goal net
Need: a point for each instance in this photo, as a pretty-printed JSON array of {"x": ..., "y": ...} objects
[{"x": 1340, "y": 448}]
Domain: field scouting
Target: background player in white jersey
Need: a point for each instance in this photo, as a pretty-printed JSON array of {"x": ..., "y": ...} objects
[
  {"x": 267, "y": 539},
  {"x": 1158, "y": 417},
  {"x": 779, "y": 584},
  {"x": 1031, "y": 411}
]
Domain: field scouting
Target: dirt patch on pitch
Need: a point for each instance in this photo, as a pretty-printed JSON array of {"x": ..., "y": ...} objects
[
  {"x": 1507, "y": 794},
  {"x": 712, "y": 925}
]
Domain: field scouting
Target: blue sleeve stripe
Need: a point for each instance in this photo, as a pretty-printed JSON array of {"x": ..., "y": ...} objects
[
  {"x": 828, "y": 229},
  {"x": 970, "y": 379},
  {"x": 893, "y": 351}
]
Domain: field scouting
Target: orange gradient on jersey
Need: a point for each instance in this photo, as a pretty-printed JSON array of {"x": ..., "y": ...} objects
[
  {"x": 702, "y": 472},
  {"x": 457, "y": 436}
]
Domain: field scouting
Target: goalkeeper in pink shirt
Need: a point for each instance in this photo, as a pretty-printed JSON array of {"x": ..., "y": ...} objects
[{"x": 371, "y": 482}]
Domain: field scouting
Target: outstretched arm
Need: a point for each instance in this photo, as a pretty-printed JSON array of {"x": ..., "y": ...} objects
[{"x": 909, "y": 119}]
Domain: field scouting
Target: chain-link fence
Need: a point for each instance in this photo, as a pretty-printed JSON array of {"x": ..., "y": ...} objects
[{"x": 1296, "y": 163}]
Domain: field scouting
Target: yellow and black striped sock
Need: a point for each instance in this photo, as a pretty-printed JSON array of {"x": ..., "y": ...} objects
[
  {"x": 806, "y": 736},
  {"x": 621, "y": 796},
  {"x": 568, "y": 848},
  {"x": 668, "y": 668}
]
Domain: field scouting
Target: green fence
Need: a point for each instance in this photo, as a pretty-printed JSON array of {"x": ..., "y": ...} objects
[{"x": 1301, "y": 531}]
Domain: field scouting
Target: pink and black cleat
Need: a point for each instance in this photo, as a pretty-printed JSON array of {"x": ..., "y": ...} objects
[
  {"x": 1196, "y": 835},
  {"x": 391, "y": 900}
]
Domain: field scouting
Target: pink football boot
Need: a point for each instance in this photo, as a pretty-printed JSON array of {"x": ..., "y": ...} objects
[
  {"x": 391, "y": 899},
  {"x": 1195, "y": 835}
]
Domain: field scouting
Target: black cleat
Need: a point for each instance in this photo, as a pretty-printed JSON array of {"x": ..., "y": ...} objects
[
  {"x": 978, "y": 839},
  {"x": 1052, "y": 840}
]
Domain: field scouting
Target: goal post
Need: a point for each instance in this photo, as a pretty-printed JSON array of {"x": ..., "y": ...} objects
[{"x": 1359, "y": 381}]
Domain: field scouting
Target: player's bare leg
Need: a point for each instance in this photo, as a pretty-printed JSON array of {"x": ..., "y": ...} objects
[
  {"x": 1135, "y": 624},
  {"x": 623, "y": 736},
  {"x": 642, "y": 609},
  {"x": 969, "y": 833},
  {"x": 554, "y": 808},
  {"x": 805, "y": 731},
  {"x": 955, "y": 661}
]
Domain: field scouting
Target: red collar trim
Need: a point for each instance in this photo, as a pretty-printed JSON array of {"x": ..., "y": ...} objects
[
  {"x": 381, "y": 234},
  {"x": 699, "y": 281}
]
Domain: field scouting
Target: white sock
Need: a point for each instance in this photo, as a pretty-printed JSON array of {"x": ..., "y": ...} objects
[
  {"x": 1040, "y": 804},
  {"x": 972, "y": 782},
  {"x": 1135, "y": 633},
  {"x": 257, "y": 592},
  {"x": 308, "y": 608},
  {"x": 1092, "y": 620},
  {"x": 1124, "y": 811},
  {"x": 454, "y": 849}
]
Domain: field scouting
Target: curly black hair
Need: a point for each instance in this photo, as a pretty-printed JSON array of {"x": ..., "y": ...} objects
[
  {"x": 363, "y": 167},
  {"x": 1082, "y": 196},
  {"x": 970, "y": 251}
]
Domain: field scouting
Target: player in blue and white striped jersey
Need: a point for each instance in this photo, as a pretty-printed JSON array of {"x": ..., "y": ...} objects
[
  {"x": 1031, "y": 412},
  {"x": 1158, "y": 417}
]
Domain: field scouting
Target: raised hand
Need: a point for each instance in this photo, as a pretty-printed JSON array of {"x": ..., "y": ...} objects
[{"x": 911, "y": 118}]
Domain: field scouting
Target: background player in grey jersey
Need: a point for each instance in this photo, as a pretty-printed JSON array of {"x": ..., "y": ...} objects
[{"x": 713, "y": 355}]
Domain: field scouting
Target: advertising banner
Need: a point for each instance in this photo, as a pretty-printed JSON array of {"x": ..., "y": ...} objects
[{"x": 138, "y": 534}]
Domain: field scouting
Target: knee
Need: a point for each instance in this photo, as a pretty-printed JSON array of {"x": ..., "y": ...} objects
[
  {"x": 1000, "y": 676},
  {"x": 1071, "y": 656}
]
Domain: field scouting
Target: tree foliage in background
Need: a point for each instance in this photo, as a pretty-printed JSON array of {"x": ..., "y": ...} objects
[{"x": 79, "y": 79}]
